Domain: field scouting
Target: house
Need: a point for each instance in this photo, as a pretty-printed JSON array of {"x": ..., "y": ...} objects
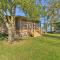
[
  {"x": 25, "y": 27},
  {"x": 58, "y": 27}
]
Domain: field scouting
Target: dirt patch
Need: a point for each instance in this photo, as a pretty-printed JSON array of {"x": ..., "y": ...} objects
[{"x": 17, "y": 43}]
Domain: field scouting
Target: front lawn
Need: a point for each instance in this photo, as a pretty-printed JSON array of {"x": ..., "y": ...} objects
[{"x": 38, "y": 48}]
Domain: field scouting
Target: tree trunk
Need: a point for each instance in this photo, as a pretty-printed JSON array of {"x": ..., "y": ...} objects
[
  {"x": 10, "y": 24},
  {"x": 10, "y": 35}
]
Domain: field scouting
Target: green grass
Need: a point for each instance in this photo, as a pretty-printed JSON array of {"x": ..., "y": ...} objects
[{"x": 39, "y": 48}]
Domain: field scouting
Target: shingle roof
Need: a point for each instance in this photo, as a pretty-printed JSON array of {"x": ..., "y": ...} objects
[{"x": 25, "y": 18}]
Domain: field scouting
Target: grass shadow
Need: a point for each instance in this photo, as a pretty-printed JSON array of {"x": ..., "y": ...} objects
[{"x": 52, "y": 36}]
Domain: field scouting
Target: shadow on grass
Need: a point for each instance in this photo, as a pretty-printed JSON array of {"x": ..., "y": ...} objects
[{"x": 52, "y": 36}]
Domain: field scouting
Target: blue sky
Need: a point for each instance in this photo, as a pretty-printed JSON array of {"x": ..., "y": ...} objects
[{"x": 19, "y": 12}]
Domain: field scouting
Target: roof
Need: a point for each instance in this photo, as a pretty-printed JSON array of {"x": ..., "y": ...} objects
[{"x": 24, "y": 18}]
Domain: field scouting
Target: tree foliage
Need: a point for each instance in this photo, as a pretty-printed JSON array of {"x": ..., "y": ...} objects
[{"x": 31, "y": 9}]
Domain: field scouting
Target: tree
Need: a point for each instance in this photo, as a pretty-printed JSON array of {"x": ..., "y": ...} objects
[
  {"x": 53, "y": 13},
  {"x": 9, "y": 6}
]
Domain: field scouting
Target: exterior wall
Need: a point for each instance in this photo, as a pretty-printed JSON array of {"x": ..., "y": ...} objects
[
  {"x": 22, "y": 27},
  {"x": 27, "y": 28}
]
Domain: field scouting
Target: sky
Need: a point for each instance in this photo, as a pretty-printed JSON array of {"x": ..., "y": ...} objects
[{"x": 19, "y": 12}]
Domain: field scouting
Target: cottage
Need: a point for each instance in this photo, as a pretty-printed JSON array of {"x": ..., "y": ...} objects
[{"x": 25, "y": 27}]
